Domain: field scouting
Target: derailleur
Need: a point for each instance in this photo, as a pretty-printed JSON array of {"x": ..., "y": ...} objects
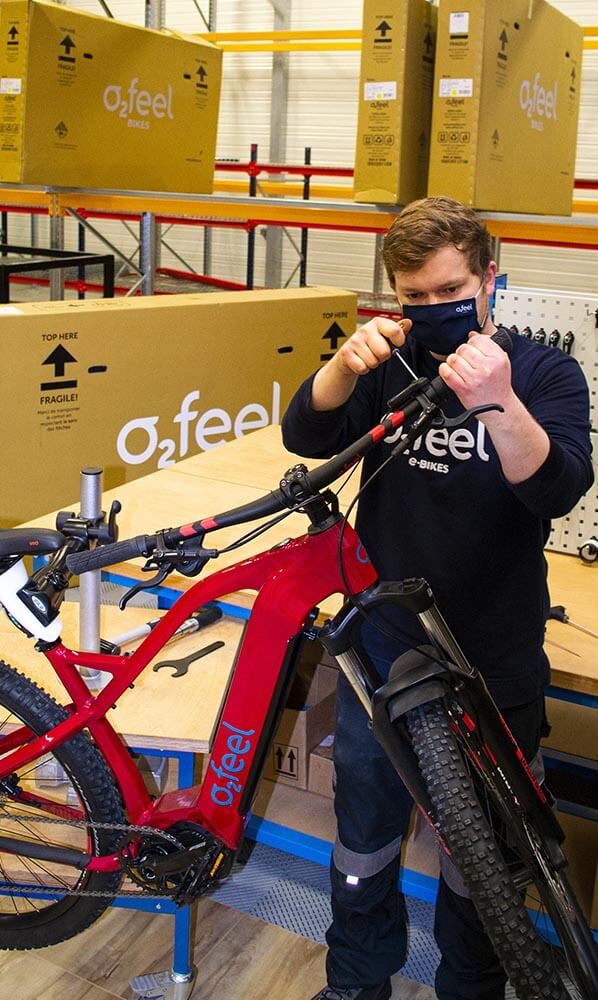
[{"x": 182, "y": 871}]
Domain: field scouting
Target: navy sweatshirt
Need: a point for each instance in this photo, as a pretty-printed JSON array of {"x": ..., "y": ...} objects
[{"x": 444, "y": 511}]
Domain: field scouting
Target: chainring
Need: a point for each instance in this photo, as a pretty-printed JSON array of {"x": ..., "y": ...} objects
[{"x": 183, "y": 868}]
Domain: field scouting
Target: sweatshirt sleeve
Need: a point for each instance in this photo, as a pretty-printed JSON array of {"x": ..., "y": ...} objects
[
  {"x": 321, "y": 434},
  {"x": 558, "y": 399}
]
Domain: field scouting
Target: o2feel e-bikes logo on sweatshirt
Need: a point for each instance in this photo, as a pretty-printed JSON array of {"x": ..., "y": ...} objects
[{"x": 136, "y": 105}]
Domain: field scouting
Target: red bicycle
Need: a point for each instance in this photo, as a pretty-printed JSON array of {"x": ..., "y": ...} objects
[{"x": 64, "y": 851}]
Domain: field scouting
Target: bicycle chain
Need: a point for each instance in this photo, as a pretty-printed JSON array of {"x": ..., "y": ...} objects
[{"x": 83, "y": 824}]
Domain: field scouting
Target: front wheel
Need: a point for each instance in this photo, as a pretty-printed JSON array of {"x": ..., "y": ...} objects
[
  {"x": 71, "y": 784},
  {"x": 529, "y": 962}
]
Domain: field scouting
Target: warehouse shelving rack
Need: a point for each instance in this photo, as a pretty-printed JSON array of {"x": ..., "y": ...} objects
[{"x": 149, "y": 209}]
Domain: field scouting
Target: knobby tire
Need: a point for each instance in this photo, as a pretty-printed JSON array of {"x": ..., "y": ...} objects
[
  {"x": 31, "y": 921},
  {"x": 464, "y": 827}
]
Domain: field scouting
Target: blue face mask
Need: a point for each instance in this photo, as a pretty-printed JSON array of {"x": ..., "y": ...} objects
[{"x": 443, "y": 326}]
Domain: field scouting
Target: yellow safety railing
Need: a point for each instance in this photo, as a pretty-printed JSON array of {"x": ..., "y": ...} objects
[
  {"x": 325, "y": 40},
  {"x": 590, "y": 38},
  {"x": 286, "y": 41}
]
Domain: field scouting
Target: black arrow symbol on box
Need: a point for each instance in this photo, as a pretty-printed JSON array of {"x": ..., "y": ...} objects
[
  {"x": 68, "y": 44},
  {"x": 384, "y": 27},
  {"x": 13, "y": 32},
  {"x": 202, "y": 73},
  {"x": 428, "y": 42},
  {"x": 279, "y": 757},
  {"x": 334, "y": 333},
  {"x": 495, "y": 137},
  {"x": 292, "y": 759},
  {"x": 504, "y": 40},
  {"x": 59, "y": 358}
]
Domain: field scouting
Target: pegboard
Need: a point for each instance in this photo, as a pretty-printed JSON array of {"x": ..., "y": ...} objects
[{"x": 571, "y": 321}]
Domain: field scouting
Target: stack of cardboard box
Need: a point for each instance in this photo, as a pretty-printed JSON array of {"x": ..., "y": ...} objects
[{"x": 504, "y": 100}]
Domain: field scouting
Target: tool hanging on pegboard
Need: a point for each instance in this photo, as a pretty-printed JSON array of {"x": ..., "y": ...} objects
[{"x": 572, "y": 319}]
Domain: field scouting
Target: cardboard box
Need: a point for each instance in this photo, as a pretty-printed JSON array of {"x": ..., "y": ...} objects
[
  {"x": 132, "y": 385},
  {"x": 321, "y": 768},
  {"x": 506, "y": 105},
  {"x": 574, "y": 732},
  {"x": 573, "y": 729},
  {"x": 395, "y": 101},
  {"x": 86, "y": 101},
  {"x": 300, "y": 730},
  {"x": 581, "y": 848}
]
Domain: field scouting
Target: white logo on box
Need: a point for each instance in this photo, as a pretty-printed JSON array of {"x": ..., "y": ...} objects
[
  {"x": 538, "y": 101},
  {"x": 134, "y": 102},
  {"x": 212, "y": 428}
]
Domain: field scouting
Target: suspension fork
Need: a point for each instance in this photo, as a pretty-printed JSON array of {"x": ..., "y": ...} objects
[
  {"x": 409, "y": 688},
  {"x": 425, "y": 674}
]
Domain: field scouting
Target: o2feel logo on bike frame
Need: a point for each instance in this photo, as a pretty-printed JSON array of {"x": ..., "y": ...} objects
[{"x": 231, "y": 765}]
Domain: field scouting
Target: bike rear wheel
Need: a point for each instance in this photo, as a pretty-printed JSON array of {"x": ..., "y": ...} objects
[
  {"x": 73, "y": 783},
  {"x": 462, "y": 822}
]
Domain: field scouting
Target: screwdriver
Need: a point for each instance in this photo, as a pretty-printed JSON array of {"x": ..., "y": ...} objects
[{"x": 558, "y": 612}]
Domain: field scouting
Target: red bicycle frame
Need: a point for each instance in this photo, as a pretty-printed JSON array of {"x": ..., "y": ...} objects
[{"x": 290, "y": 582}]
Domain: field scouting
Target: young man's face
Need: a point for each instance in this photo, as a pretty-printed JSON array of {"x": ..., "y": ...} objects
[{"x": 446, "y": 277}]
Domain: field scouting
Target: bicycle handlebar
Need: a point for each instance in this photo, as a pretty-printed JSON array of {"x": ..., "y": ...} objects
[
  {"x": 108, "y": 555},
  {"x": 434, "y": 391}
]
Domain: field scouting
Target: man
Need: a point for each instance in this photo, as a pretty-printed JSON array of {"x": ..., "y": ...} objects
[{"x": 468, "y": 509}]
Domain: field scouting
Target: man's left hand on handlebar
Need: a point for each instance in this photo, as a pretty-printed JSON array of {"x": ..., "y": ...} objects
[{"x": 479, "y": 372}]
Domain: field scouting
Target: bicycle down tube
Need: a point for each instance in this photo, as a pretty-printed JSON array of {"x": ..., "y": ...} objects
[{"x": 289, "y": 583}]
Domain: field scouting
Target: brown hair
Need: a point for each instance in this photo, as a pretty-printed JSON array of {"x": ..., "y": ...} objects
[{"x": 428, "y": 225}]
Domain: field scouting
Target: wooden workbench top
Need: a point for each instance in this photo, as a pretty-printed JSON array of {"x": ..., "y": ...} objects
[{"x": 162, "y": 711}]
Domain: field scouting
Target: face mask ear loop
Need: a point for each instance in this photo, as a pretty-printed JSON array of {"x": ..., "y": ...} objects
[{"x": 482, "y": 323}]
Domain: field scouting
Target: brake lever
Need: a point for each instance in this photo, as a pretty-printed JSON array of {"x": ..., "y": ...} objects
[
  {"x": 146, "y": 584},
  {"x": 443, "y": 421}
]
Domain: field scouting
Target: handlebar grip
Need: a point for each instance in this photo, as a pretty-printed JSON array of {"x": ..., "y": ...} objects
[
  {"x": 439, "y": 391},
  {"x": 503, "y": 338},
  {"x": 108, "y": 555}
]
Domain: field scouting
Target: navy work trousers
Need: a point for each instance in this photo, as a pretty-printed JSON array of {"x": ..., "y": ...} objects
[{"x": 367, "y": 939}]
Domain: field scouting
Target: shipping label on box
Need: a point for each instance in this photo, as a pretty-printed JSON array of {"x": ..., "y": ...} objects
[
  {"x": 506, "y": 106},
  {"x": 135, "y": 385},
  {"x": 87, "y": 101},
  {"x": 395, "y": 101}
]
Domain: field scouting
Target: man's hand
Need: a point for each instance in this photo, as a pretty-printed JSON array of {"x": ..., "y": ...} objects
[
  {"x": 366, "y": 349},
  {"x": 479, "y": 372},
  {"x": 371, "y": 345}
]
